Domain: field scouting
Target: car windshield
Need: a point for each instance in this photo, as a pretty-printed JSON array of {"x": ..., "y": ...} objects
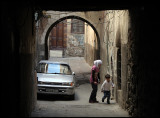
[{"x": 54, "y": 68}]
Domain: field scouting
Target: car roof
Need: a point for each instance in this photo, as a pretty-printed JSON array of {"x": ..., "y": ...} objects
[{"x": 49, "y": 61}]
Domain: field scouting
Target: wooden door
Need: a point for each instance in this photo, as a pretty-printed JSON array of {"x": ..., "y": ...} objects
[{"x": 58, "y": 36}]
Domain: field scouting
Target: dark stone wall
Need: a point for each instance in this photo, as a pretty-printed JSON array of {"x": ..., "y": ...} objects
[
  {"x": 40, "y": 51},
  {"x": 17, "y": 59},
  {"x": 28, "y": 94},
  {"x": 10, "y": 85},
  {"x": 124, "y": 73},
  {"x": 136, "y": 70},
  {"x": 142, "y": 67}
]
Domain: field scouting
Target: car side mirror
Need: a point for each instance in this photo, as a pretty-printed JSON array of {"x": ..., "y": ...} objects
[{"x": 73, "y": 73}]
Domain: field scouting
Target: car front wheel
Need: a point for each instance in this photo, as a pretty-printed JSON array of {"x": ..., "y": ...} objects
[{"x": 72, "y": 97}]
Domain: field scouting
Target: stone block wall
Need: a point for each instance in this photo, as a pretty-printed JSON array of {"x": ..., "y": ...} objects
[
  {"x": 40, "y": 45},
  {"x": 137, "y": 103},
  {"x": 75, "y": 45}
]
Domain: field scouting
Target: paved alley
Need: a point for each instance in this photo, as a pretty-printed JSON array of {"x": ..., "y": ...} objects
[
  {"x": 61, "y": 106},
  {"x": 51, "y": 106}
]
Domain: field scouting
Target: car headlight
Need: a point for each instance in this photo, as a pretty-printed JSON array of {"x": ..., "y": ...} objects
[{"x": 68, "y": 83}]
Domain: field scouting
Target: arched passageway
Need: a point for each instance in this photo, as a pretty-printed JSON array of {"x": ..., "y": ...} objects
[
  {"x": 96, "y": 54},
  {"x": 21, "y": 50}
]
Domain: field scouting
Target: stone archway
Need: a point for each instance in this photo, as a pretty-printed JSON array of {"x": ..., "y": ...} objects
[
  {"x": 67, "y": 17},
  {"x": 71, "y": 15}
]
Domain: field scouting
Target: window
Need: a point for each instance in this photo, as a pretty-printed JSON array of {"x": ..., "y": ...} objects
[
  {"x": 77, "y": 26},
  {"x": 54, "y": 68}
]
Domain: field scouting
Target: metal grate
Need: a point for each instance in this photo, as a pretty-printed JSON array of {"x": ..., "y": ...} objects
[{"x": 52, "y": 83}]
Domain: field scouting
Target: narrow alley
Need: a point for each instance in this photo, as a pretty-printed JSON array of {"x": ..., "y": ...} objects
[
  {"x": 81, "y": 33},
  {"x": 51, "y": 106},
  {"x": 61, "y": 106}
]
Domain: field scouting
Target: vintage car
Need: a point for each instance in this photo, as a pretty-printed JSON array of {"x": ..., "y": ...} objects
[{"x": 55, "y": 78}]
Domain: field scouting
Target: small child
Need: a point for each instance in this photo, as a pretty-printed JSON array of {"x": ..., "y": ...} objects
[{"x": 105, "y": 88}]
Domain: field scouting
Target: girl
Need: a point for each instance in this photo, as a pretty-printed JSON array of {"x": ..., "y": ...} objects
[{"x": 94, "y": 80}]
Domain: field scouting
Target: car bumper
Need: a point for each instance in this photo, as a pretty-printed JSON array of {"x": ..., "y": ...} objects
[{"x": 58, "y": 90}]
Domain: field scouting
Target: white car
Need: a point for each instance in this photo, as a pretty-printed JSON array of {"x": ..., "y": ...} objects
[{"x": 55, "y": 78}]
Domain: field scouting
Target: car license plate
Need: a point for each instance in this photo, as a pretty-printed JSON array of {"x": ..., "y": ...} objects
[{"x": 49, "y": 90}]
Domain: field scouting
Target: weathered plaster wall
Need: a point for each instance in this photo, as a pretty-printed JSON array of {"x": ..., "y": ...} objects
[
  {"x": 90, "y": 44},
  {"x": 114, "y": 36},
  {"x": 75, "y": 43}
]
